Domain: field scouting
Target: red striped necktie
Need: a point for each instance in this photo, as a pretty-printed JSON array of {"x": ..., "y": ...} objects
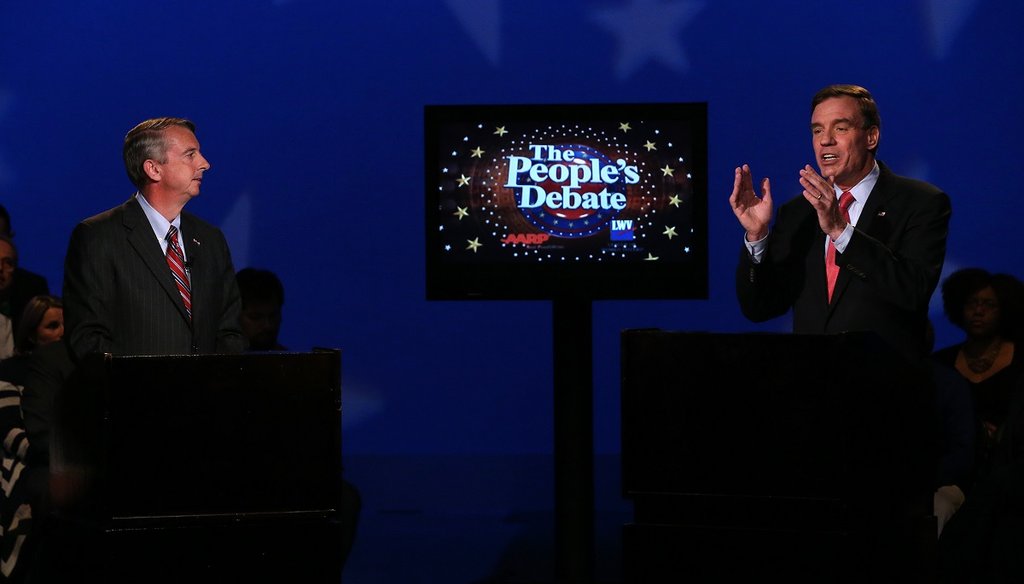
[
  {"x": 831, "y": 269},
  {"x": 176, "y": 261}
]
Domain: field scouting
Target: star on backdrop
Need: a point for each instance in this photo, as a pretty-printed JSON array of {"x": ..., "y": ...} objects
[
  {"x": 648, "y": 30},
  {"x": 481, "y": 20},
  {"x": 943, "y": 20}
]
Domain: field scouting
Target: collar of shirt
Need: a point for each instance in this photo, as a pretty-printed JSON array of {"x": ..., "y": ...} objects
[
  {"x": 160, "y": 225},
  {"x": 860, "y": 191}
]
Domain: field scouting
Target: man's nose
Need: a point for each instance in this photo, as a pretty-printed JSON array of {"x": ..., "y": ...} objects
[
  {"x": 827, "y": 138},
  {"x": 204, "y": 164}
]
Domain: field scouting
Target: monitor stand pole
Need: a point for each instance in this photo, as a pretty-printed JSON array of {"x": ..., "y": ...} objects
[{"x": 574, "y": 440}]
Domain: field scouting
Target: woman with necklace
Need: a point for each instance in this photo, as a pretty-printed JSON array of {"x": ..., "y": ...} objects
[
  {"x": 988, "y": 308},
  {"x": 982, "y": 541}
]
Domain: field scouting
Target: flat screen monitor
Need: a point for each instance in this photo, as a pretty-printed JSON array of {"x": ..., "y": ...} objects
[{"x": 591, "y": 201}]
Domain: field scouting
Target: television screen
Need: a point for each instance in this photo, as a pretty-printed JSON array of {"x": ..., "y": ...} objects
[{"x": 592, "y": 201}]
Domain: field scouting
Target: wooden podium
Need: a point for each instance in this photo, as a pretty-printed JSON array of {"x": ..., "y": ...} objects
[
  {"x": 209, "y": 468},
  {"x": 805, "y": 457}
]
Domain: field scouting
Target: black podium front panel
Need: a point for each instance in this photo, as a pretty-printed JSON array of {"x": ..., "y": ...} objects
[
  {"x": 813, "y": 450},
  {"x": 201, "y": 468}
]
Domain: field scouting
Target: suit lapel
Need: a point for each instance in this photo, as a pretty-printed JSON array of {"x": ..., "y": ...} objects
[{"x": 141, "y": 239}]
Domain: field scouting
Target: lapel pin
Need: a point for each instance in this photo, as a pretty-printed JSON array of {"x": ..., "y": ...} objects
[{"x": 880, "y": 214}]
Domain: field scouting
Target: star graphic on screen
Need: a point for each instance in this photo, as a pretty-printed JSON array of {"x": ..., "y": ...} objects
[
  {"x": 675, "y": 200},
  {"x": 648, "y": 30},
  {"x": 650, "y": 146},
  {"x": 667, "y": 171},
  {"x": 500, "y": 130},
  {"x": 670, "y": 232},
  {"x": 650, "y": 257},
  {"x": 624, "y": 126},
  {"x": 477, "y": 153},
  {"x": 463, "y": 180},
  {"x": 461, "y": 212},
  {"x": 474, "y": 244}
]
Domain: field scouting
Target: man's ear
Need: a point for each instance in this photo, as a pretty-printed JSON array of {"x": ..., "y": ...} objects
[
  {"x": 874, "y": 133},
  {"x": 152, "y": 170}
]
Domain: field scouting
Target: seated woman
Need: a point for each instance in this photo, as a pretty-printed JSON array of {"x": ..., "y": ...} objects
[
  {"x": 982, "y": 540},
  {"x": 41, "y": 324},
  {"x": 988, "y": 308}
]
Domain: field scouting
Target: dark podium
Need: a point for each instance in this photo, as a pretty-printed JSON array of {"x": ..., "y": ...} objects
[
  {"x": 805, "y": 457},
  {"x": 208, "y": 468}
]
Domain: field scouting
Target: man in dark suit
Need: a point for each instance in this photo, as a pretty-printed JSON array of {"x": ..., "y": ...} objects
[
  {"x": 888, "y": 246},
  {"x": 147, "y": 277}
]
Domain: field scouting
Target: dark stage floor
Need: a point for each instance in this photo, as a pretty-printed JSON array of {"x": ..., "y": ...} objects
[{"x": 471, "y": 519}]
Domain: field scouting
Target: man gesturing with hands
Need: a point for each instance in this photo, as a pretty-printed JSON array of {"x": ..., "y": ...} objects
[{"x": 861, "y": 249}]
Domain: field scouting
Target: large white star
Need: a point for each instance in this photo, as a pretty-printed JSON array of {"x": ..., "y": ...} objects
[{"x": 648, "y": 30}]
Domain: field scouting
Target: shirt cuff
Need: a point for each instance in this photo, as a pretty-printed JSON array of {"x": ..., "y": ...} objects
[
  {"x": 756, "y": 248},
  {"x": 844, "y": 239}
]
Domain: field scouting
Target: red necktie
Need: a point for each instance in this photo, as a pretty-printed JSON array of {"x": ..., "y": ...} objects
[
  {"x": 831, "y": 269},
  {"x": 176, "y": 261}
]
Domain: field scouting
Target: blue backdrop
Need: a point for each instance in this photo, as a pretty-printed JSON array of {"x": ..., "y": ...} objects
[{"x": 311, "y": 114}]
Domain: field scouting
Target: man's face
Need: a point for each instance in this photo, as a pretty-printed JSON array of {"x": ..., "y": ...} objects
[
  {"x": 260, "y": 323},
  {"x": 182, "y": 172},
  {"x": 841, "y": 143},
  {"x": 8, "y": 261}
]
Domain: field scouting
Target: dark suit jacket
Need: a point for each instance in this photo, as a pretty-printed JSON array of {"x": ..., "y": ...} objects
[
  {"x": 887, "y": 273},
  {"x": 120, "y": 296}
]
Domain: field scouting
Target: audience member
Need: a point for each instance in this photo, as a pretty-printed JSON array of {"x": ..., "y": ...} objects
[
  {"x": 262, "y": 300},
  {"x": 42, "y": 323},
  {"x": 982, "y": 541},
  {"x": 988, "y": 308},
  {"x": 17, "y": 285},
  {"x": 24, "y": 473}
]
